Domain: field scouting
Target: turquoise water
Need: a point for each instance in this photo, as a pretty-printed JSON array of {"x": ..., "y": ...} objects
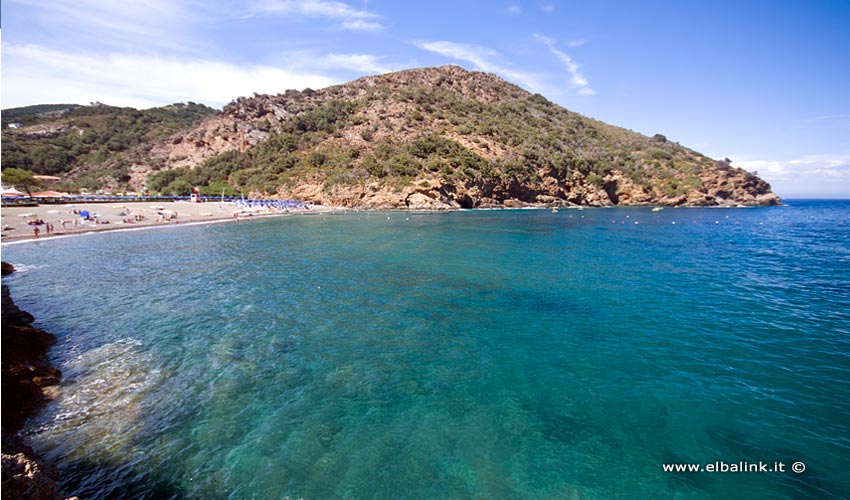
[{"x": 481, "y": 355}]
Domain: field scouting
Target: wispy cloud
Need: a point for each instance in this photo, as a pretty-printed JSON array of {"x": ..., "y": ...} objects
[
  {"x": 513, "y": 9},
  {"x": 362, "y": 25},
  {"x": 345, "y": 64},
  {"x": 577, "y": 79},
  {"x": 33, "y": 75},
  {"x": 810, "y": 174},
  {"x": 547, "y": 8},
  {"x": 129, "y": 23},
  {"x": 828, "y": 118},
  {"x": 482, "y": 59},
  {"x": 349, "y": 17},
  {"x": 361, "y": 63},
  {"x": 576, "y": 43}
]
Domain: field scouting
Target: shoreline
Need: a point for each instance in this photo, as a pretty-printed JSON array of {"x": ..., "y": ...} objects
[
  {"x": 129, "y": 216},
  {"x": 17, "y": 231},
  {"x": 29, "y": 382}
]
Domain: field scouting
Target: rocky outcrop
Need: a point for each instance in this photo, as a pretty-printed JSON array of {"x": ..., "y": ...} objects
[
  {"x": 26, "y": 476},
  {"x": 733, "y": 188},
  {"x": 6, "y": 268},
  {"x": 27, "y": 378},
  {"x": 26, "y": 373}
]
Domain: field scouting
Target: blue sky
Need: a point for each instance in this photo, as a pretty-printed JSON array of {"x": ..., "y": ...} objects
[{"x": 765, "y": 83}]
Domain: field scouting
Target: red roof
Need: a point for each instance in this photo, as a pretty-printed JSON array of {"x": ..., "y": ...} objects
[{"x": 50, "y": 194}]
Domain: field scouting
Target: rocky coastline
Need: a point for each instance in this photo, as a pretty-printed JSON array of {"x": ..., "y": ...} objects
[{"x": 27, "y": 380}]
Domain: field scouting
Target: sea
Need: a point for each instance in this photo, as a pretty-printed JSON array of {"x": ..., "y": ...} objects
[{"x": 502, "y": 354}]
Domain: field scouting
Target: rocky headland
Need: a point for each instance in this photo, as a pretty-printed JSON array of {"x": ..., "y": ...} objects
[{"x": 427, "y": 138}]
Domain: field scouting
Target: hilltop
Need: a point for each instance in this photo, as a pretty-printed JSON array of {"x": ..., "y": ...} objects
[{"x": 423, "y": 138}]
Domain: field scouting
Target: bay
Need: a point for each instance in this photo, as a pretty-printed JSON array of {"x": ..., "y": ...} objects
[{"x": 470, "y": 354}]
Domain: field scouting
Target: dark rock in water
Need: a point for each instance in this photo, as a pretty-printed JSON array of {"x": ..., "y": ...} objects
[
  {"x": 11, "y": 313},
  {"x": 25, "y": 375},
  {"x": 25, "y": 475},
  {"x": 6, "y": 268},
  {"x": 25, "y": 369}
]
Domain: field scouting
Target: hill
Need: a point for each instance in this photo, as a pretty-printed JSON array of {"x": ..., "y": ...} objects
[
  {"x": 91, "y": 146},
  {"x": 424, "y": 138}
]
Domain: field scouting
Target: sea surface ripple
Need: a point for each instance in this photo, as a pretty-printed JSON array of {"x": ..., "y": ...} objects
[{"x": 473, "y": 354}]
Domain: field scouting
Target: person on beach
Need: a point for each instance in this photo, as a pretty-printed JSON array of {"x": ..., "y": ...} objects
[{"x": 35, "y": 232}]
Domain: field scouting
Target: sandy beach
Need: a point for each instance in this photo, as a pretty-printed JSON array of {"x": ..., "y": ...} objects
[{"x": 124, "y": 215}]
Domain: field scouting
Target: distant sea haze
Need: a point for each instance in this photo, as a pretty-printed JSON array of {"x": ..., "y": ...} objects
[{"x": 471, "y": 354}]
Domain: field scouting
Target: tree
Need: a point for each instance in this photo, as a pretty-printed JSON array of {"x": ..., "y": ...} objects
[
  {"x": 179, "y": 187},
  {"x": 21, "y": 179}
]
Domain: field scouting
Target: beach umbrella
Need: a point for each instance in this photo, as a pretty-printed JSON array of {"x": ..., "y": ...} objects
[
  {"x": 11, "y": 192},
  {"x": 84, "y": 213}
]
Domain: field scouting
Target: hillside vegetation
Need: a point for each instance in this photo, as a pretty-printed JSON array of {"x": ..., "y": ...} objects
[
  {"x": 425, "y": 138},
  {"x": 92, "y": 145}
]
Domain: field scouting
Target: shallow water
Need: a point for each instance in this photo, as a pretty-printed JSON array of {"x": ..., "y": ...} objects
[{"x": 495, "y": 354}]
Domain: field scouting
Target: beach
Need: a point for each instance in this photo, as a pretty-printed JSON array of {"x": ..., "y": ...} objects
[{"x": 125, "y": 215}]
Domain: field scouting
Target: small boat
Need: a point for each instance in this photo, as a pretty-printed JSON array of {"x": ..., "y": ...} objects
[
  {"x": 554, "y": 210},
  {"x": 657, "y": 209}
]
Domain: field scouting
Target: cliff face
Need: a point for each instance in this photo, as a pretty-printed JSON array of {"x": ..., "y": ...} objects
[{"x": 432, "y": 138}]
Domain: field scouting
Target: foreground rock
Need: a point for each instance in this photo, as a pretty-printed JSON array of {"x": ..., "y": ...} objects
[{"x": 27, "y": 379}]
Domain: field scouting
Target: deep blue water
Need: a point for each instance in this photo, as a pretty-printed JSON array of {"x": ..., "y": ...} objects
[{"x": 485, "y": 354}]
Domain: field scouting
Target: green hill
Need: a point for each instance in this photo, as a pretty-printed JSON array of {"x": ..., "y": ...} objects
[{"x": 425, "y": 138}]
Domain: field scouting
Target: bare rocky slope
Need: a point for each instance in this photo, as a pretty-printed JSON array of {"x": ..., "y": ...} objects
[{"x": 431, "y": 138}]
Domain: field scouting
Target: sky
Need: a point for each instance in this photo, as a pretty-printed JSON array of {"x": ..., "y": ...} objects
[{"x": 764, "y": 83}]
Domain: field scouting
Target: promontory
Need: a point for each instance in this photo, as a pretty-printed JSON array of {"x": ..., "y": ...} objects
[{"x": 431, "y": 138}]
